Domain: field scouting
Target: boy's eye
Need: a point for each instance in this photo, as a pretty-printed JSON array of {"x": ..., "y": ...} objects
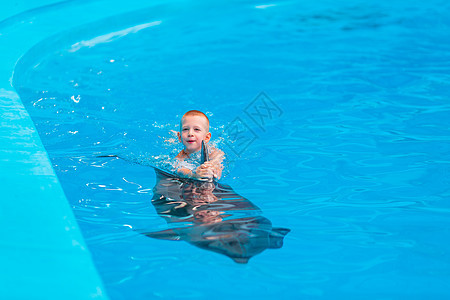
[
  {"x": 184, "y": 129},
  {"x": 196, "y": 129}
]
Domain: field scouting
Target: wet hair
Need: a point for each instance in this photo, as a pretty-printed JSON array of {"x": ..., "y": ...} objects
[{"x": 195, "y": 113}]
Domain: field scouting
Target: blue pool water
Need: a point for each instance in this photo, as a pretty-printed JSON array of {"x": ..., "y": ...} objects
[{"x": 344, "y": 139}]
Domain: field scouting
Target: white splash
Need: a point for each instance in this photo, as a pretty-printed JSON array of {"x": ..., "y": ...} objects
[
  {"x": 106, "y": 38},
  {"x": 265, "y": 6},
  {"x": 73, "y": 98}
]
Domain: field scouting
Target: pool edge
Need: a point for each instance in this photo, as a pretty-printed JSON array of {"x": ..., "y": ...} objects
[{"x": 43, "y": 252}]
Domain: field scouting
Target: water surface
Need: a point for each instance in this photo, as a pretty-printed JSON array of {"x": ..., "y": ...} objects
[{"x": 354, "y": 158}]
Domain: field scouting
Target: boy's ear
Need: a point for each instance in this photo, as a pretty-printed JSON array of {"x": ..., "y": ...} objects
[
  {"x": 179, "y": 136},
  {"x": 207, "y": 137}
]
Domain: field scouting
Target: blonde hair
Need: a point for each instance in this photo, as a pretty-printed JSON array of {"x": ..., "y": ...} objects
[{"x": 195, "y": 113}]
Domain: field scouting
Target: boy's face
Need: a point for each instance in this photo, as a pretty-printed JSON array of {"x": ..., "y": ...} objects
[{"x": 194, "y": 129}]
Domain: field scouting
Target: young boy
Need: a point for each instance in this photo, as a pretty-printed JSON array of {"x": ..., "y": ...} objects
[{"x": 194, "y": 128}]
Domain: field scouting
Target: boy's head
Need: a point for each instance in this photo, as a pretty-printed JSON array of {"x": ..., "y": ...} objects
[{"x": 194, "y": 128}]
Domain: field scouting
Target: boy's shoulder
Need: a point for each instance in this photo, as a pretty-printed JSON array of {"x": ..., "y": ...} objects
[
  {"x": 216, "y": 154},
  {"x": 181, "y": 156},
  {"x": 216, "y": 151}
]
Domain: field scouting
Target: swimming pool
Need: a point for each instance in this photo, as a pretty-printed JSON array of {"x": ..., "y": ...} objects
[{"x": 343, "y": 122}]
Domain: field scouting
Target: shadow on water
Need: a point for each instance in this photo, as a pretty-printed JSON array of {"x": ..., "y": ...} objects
[{"x": 219, "y": 219}]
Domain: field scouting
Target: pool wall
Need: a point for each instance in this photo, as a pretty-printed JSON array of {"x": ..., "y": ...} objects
[{"x": 43, "y": 254}]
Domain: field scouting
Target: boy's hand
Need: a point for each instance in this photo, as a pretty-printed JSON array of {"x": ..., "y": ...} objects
[
  {"x": 206, "y": 171},
  {"x": 213, "y": 167}
]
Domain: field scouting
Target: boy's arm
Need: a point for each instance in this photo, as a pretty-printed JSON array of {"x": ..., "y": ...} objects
[
  {"x": 215, "y": 162},
  {"x": 182, "y": 170},
  {"x": 199, "y": 173},
  {"x": 216, "y": 156},
  {"x": 185, "y": 172},
  {"x": 208, "y": 170}
]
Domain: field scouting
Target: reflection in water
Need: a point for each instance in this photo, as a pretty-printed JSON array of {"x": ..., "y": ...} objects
[{"x": 219, "y": 219}]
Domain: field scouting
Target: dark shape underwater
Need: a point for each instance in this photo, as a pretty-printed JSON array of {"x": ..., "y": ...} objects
[{"x": 215, "y": 218}]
